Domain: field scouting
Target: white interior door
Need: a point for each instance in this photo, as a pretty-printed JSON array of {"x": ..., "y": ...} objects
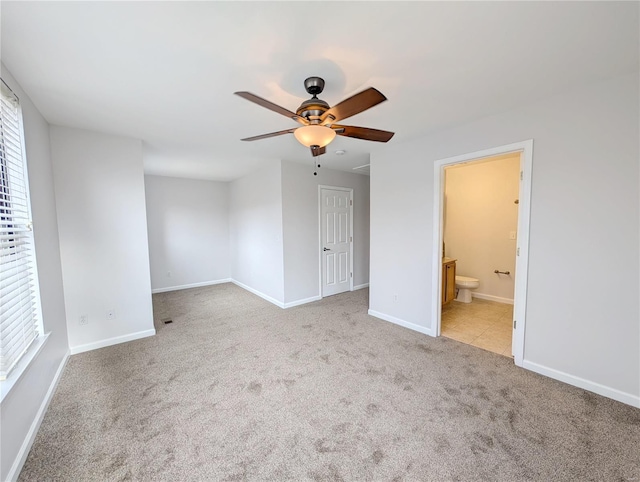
[{"x": 336, "y": 239}]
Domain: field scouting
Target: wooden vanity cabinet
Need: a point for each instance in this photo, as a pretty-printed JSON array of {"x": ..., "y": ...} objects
[{"x": 448, "y": 280}]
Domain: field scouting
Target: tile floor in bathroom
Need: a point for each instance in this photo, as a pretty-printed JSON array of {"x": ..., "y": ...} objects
[{"x": 482, "y": 323}]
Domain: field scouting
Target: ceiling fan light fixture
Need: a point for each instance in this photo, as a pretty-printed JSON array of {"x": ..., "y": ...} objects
[{"x": 314, "y": 135}]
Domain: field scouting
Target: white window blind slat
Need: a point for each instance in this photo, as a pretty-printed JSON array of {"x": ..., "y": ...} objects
[
  {"x": 18, "y": 349},
  {"x": 13, "y": 276},
  {"x": 19, "y": 320},
  {"x": 7, "y": 263},
  {"x": 9, "y": 294},
  {"x": 13, "y": 307},
  {"x": 7, "y": 363},
  {"x": 18, "y": 264},
  {"x": 6, "y": 237},
  {"x": 16, "y": 328},
  {"x": 15, "y": 293},
  {"x": 15, "y": 248},
  {"x": 23, "y": 333},
  {"x": 17, "y": 323},
  {"x": 24, "y": 312}
]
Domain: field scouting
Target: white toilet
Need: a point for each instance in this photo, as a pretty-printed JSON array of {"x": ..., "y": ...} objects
[{"x": 464, "y": 285}]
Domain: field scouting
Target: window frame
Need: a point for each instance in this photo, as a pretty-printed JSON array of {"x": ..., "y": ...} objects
[{"x": 35, "y": 346}]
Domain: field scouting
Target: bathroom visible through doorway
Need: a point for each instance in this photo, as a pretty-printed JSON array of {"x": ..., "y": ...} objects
[
  {"x": 481, "y": 233},
  {"x": 480, "y": 219}
]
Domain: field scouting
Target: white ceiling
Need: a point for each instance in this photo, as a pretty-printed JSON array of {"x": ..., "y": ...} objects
[{"x": 165, "y": 72}]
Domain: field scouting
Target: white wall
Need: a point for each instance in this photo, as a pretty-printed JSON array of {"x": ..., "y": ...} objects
[
  {"x": 255, "y": 226},
  {"x": 99, "y": 187},
  {"x": 19, "y": 415},
  {"x": 479, "y": 216},
  {"x": 300, "y": 221},
  {"x": 582, "y": 321},
  {"x": 188, "y": 229}
]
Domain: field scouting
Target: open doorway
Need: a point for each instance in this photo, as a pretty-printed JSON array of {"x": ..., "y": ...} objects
[
  {"x": 481, "y": 237},
  {"x": 480, "y": 220}
]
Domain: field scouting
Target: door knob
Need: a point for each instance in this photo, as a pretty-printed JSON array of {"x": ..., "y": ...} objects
[{"x": 326, "y": 249}]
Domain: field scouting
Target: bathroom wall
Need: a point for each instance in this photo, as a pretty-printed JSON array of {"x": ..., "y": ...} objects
[{"x": 480, "y": 220}]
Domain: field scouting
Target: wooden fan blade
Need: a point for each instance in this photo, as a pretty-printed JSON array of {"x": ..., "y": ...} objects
[
  {"x": 317, "y": 151},
  {"x": 353, "y": 105},
  {"x": 363, "y": 133},
  {"x": 271, "y": 106},
  {"x": 272, "y": 134}
]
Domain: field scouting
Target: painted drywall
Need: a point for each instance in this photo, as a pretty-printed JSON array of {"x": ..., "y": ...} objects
[
  {"x": 255, "y": 228},
  {"x": 479, "y": 216},
  {"x": 99, "y": 185},
  {"x": 188, "y": 229},
  {"x": 582, "y": 303},
  {"x": 301, "y": 224},
  {"x": 19, "y": 409}
]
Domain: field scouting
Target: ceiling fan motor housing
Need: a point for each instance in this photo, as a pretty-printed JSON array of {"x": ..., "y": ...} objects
[{"x": 313, "y": 108}]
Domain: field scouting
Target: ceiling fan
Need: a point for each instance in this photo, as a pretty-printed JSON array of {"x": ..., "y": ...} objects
[{"x": 317, "y": 117}]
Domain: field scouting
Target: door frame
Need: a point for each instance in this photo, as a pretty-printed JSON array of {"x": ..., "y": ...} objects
[
  {"x": 350, "y": 191},
  {"x": 525, "y": 148}
]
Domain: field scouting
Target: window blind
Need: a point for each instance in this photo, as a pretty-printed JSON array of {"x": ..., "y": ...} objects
[{"x": 19, "y": 325}]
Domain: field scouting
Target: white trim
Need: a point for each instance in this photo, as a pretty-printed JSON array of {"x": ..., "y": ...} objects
[
  {"x": 351, "y": 244},
  {"x": 498, "y": 299},
  {"x": 398, "y": 321},
  {"x": 628, "y": 398},
  {"x": 271, "y": 300},
  {"x": 438, "y": 254},
  {"x": 268, "y": 298},
  {"x": 21, "y": 457},
  {"x": 522, "y": 261},
  {"x": 116, "y": 340},
  {"x": 191, "y": 285},
  {"x": 359, "y": 287},
  {"x": 304, "y": 301}
]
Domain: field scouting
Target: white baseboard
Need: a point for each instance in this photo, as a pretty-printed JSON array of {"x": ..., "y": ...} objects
[
  {"x": 111, "y": 341},
  {"x": 15, "y": 469},
  {"x": 304, "y": 301},
  {"x": 191, "y": 285},
  {"x": 359, "y": 287},
  {"x": 498, "y": 299},
  {"x": 268, "y": 298},
  {"x": 628, "y": 398},
  {"x": 258, "y": 293},
  {"x": 398, "y": 321}
]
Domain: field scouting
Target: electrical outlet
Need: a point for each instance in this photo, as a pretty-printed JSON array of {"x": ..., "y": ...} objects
[
  {"x": 512, "y": 235},
  {"x": 168, "y": 274},
  {"x": 395, "y": 298},
  {"x": 84, "y": 319},
  {"x": 111, "y": 314}
]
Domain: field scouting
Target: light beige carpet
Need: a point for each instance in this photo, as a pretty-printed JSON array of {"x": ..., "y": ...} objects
[{"x": 238, "y": 389}]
